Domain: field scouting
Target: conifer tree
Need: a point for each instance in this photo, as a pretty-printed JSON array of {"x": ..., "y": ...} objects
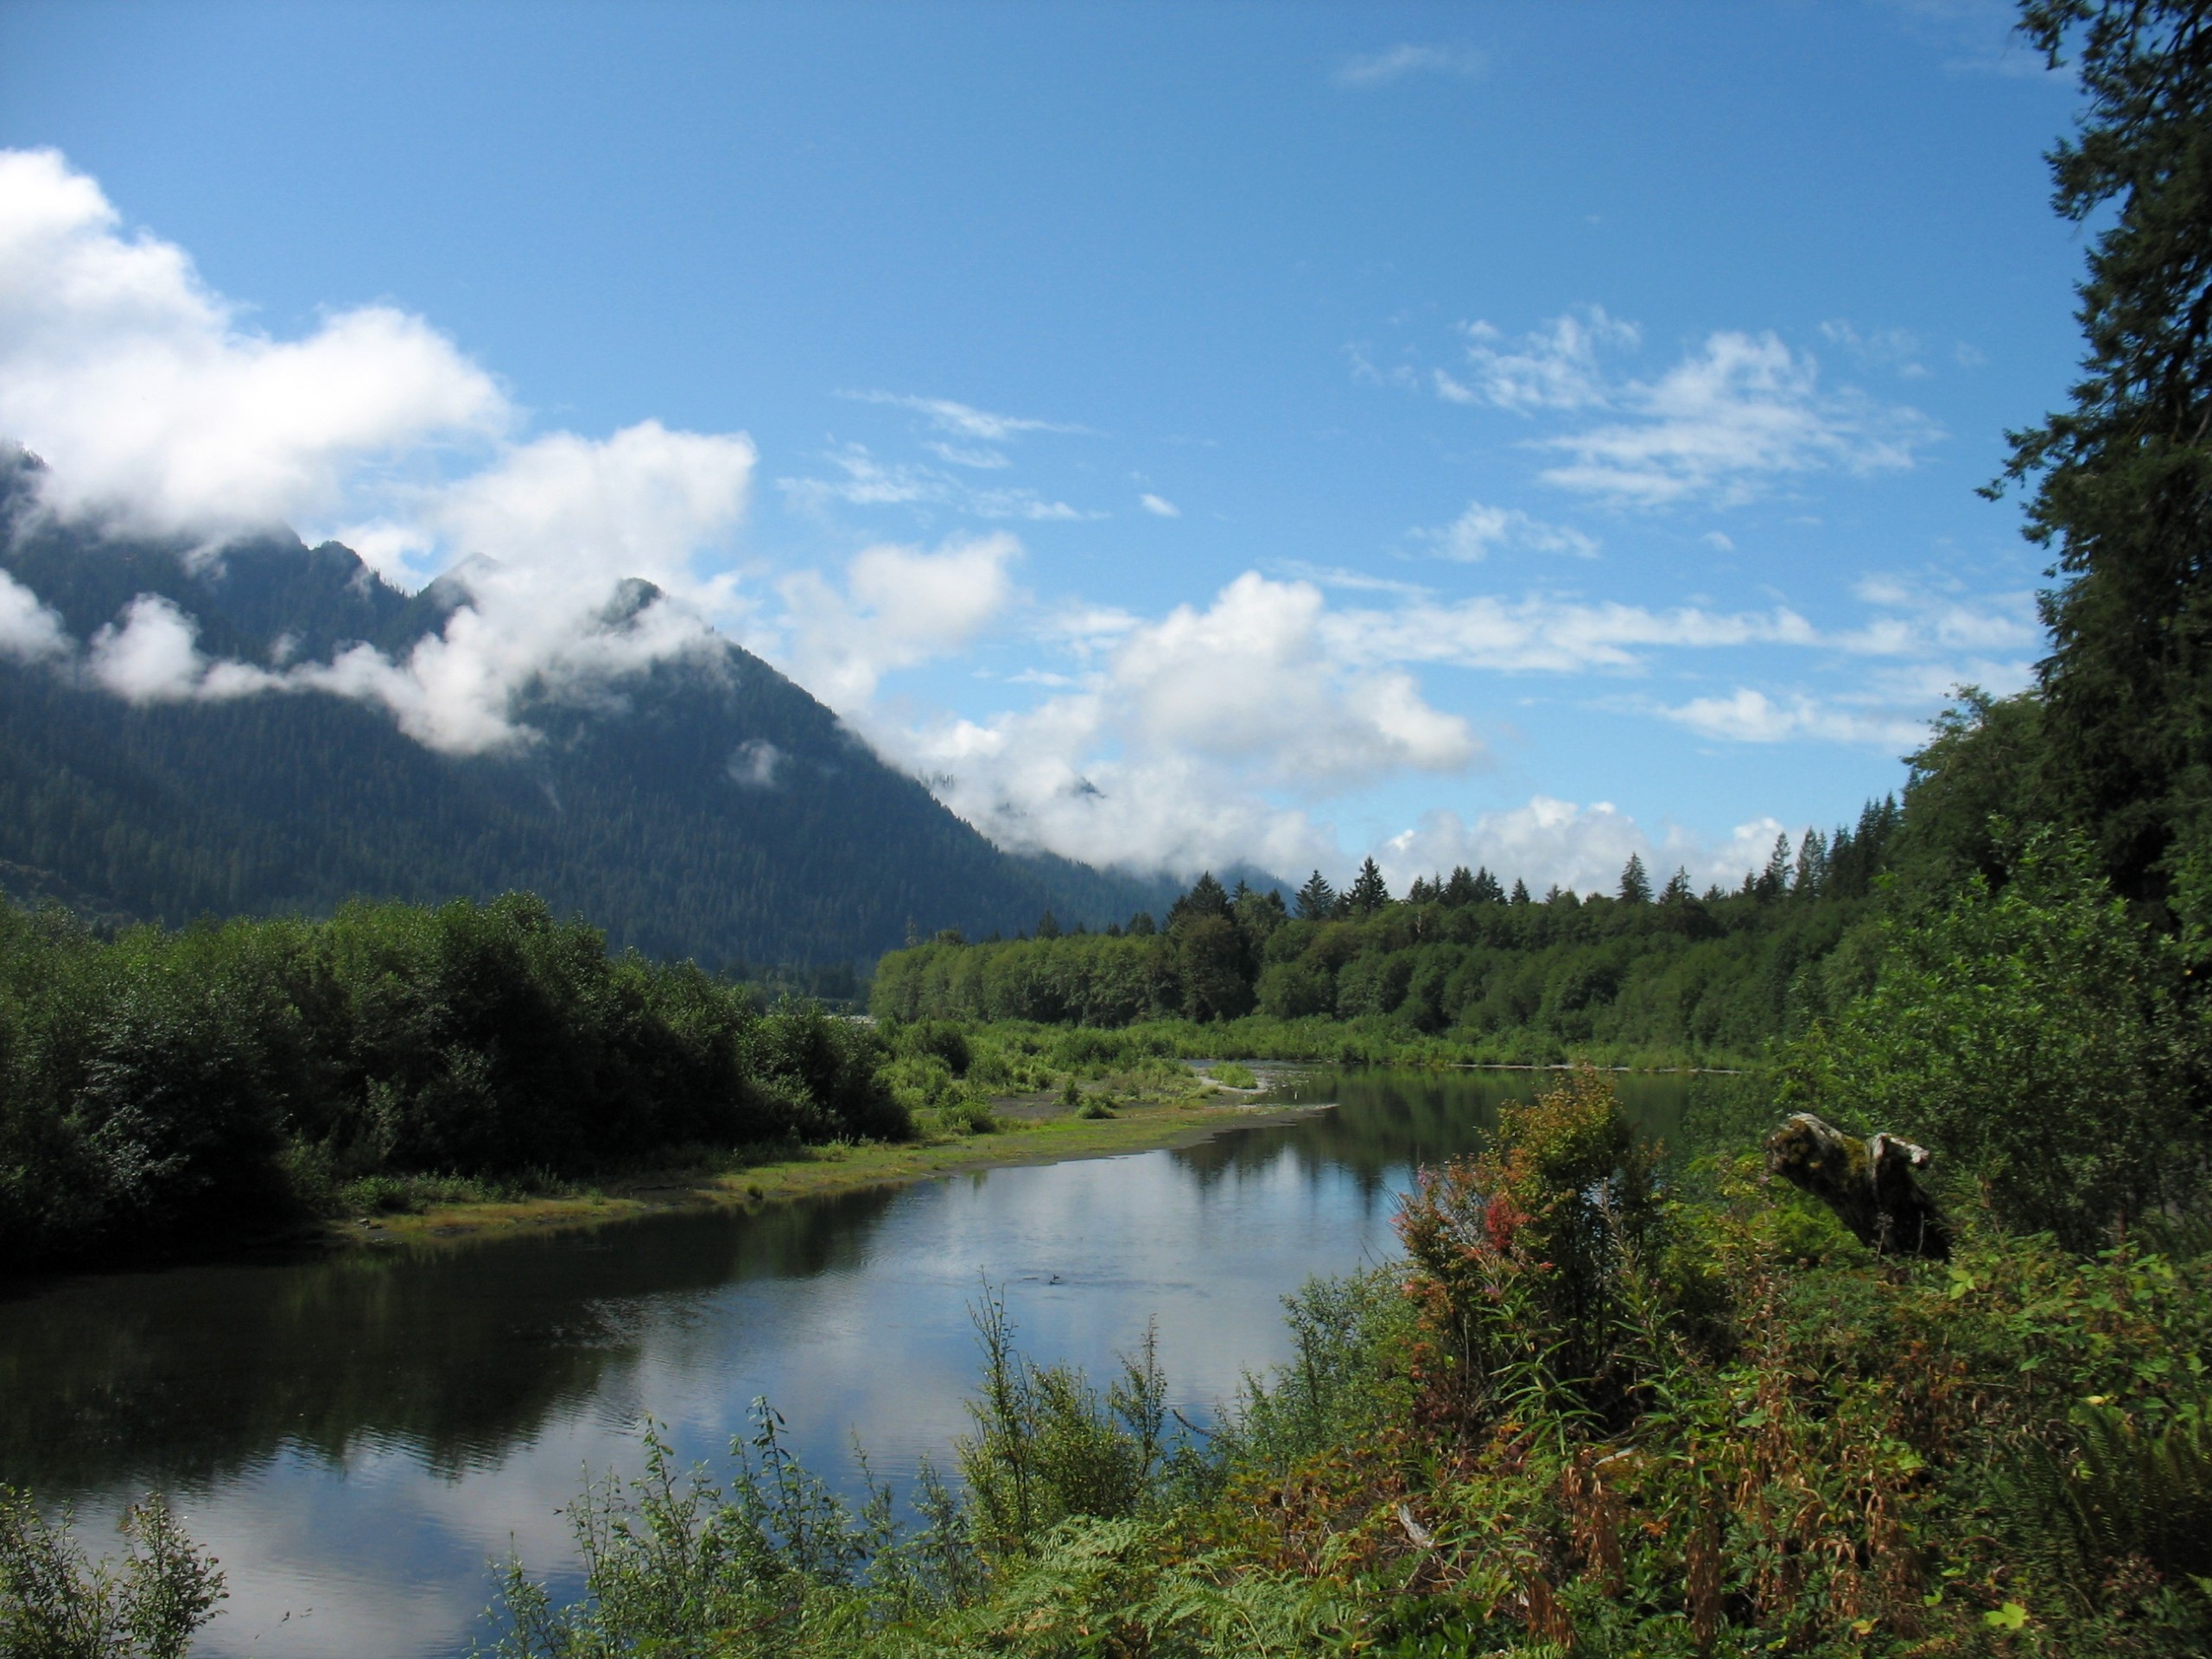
[
  {"x": 1812, "y": 873},
  {"x": 1048, "y": 926},
  {"x": 1520, "y": 892},
  {"x": 1461, "y": 890},
  {"x": 1206, "y": 898},
  {"x": 1774, "y": 882},
  {"x": 1636, "y": 886},
  {"x": 1367, "y": 892},
  {"x": 1678, "y": 890},
  {"x": 1317, "y": 899},
  {"x": 2123, "y": 477}
]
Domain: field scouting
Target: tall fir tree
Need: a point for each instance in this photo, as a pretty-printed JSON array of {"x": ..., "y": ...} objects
[
  {"x": 1317, "y": 899},
  {"x": 1636, "y": 885},
  {"x": 1367, "y": 892},
  {"x": 2123, "y": 476}
]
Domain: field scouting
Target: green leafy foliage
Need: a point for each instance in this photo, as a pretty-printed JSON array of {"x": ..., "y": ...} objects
[
  {"x": 57, "y": 1603},
  {"x": 1687, "y": 975},
  {"x": 171, "y": 1087},
  {"x": 2031, "y": 1036}
]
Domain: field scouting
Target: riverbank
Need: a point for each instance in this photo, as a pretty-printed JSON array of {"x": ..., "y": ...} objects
[{"x": 1029, "y": 1132}]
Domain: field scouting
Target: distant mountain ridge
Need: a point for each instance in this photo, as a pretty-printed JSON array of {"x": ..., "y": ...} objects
[{"x": 713, "y": 809}]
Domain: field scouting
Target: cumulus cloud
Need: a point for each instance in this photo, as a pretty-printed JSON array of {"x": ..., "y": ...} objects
[
  {"x": 1374, "y": 69},
  {"x": 153, "y": 404},
  {"x": 1481, "y": 530},
  {"x": 899, "y": 606},
  {"x": 154, "y": 657},
  {"x": 1166, "y": 752},
  {"x": 30, "y": 631},
  {"x": 1730, "y": 420},
  {"x": 157, "y": 411},
  {"x": 1581, "y": 848}
]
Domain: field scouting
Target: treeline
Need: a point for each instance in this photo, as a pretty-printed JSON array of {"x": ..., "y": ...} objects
[
  {"x": 167, "y": 1088},
  {"x": 1674, "y": 970}
]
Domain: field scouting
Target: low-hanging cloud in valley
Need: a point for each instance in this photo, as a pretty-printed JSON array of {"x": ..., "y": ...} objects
[{"x": 159, "y": 412}]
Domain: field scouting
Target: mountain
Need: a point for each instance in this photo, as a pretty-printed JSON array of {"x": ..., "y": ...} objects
[{"x": 707, "y": 807}]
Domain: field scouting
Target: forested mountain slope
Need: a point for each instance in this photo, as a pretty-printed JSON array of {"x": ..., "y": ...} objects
[{"x": 640, "y": 810}]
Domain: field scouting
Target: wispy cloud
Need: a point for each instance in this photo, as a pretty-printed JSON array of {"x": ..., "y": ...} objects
[
  {"x": 1732, "y": 419},
  {"x": 1373, "y": 69},
  {"x": 1751, "y": 716},
  {"x": 869, "y": 482},
  {"x": 1481, "y": 530},
  {"x": 1160, "y": 507},
  {"x": 1556, "y": 367},
  {"x": 964, "y": 420}
]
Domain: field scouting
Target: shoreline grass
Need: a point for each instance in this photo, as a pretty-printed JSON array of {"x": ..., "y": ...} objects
[{"x": 747, "y": 1179}]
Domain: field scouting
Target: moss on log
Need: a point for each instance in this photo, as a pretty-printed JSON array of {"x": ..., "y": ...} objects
[{"x": 1872, "y": 1185}]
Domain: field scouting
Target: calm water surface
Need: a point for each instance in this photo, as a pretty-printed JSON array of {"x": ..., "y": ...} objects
[{"x": 357, "y": 1437}]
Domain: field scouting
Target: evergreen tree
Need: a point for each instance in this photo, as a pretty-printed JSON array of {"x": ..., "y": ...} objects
[
  {"x": 1422, "y": 892},
  {"x": 1520, "y": 892},
  {"x": 1317, "y": 899},
  {"x": 1636, "y": 886},
  {"x": 1142, "y": 926},
  {"x": 1487, "y": 892},
  {"x": 1774, "y": 882},
  {"x": 1812, "y": 873},
  {"x": 1678, "y": 890},
  {"x": 1461, "y": 891},
  {"x": 1367, "y": 892},
  {"x": 2124, "y": 476},
  {"x": 1206, "y": 898},
  {"x": 1048, "y": 926}
]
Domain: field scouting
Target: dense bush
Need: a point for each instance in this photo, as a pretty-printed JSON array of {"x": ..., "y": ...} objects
[
  {"x": 2047, "y": 992},
  {"x": 170, "y": 1085}
]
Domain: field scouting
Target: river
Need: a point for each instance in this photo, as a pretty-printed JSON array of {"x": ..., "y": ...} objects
[{"x": 357, "y": 1436}]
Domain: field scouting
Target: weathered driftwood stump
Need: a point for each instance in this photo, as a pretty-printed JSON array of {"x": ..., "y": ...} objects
[{"x": 1871, "y": 1184}]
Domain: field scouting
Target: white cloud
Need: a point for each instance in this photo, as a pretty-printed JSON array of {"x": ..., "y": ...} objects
[
  {"x": 154, "y": 657},
  {"x": 869, "y": 482},
  {"x": 1896, "y": 349},
  {"x": 29, "y": 632},
  {"x": 1165, "y": 754},
  {"x": 152, "y": 403},
  {"x": 157, "y": 411},
  {"x": 1481, "y": 530},
  {"x": 962, "y": 420},
  {"x": 1726, "y": 421},
  {"x": 1395, "y": 63},
  {"x": 1751, "y": 716},
  {"x": 754, "y": 764},
  {"x": 1540, "y": 633},
  {"x": 1160, "y": 507},
  {"x": 1581, "y": 848},
  {"x": 1557, "y": 367},
  {"x": 899, "y": 606}
]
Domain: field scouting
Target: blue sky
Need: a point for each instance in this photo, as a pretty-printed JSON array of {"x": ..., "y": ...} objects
[{"x": 1508, "y": 435}]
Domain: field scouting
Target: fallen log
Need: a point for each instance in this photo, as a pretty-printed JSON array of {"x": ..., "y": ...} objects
[{"x": 1871, "y": 1184}]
